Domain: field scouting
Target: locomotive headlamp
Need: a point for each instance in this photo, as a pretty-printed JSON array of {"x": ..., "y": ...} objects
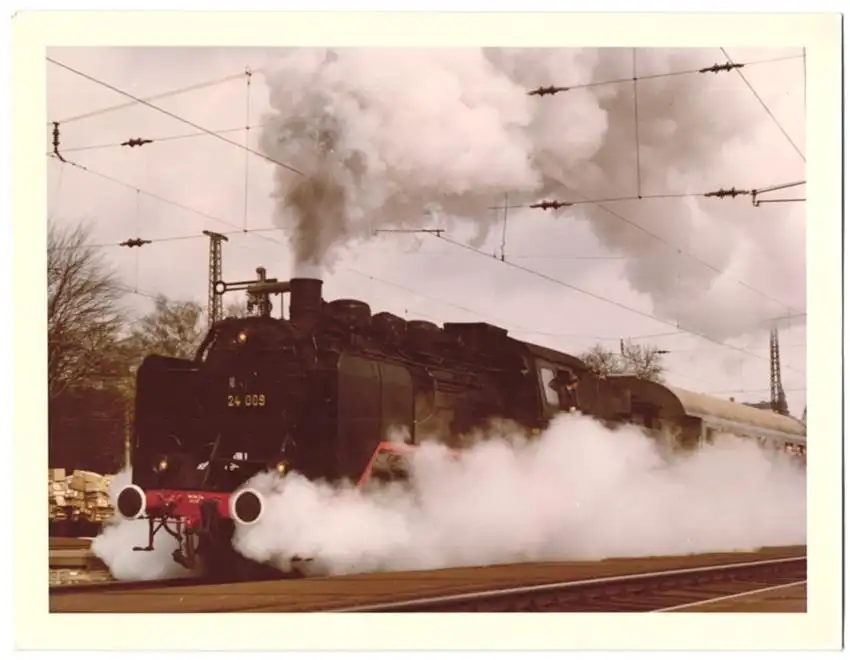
[
  {"x": 131, "y": 502},
  {"x": 161, "y": 464},
  {"x": 246, "y": 506},
  {"x": 280, "y": 467},
  {"x": 242, "y": 337}
]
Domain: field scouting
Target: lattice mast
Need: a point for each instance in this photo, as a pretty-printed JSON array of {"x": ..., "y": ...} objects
[
  {"x": 215, "y": 307},
  {"x": 778, "y": 402}
]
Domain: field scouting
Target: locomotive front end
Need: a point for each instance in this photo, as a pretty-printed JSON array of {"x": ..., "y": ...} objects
[{"x": 205, "y": 427}]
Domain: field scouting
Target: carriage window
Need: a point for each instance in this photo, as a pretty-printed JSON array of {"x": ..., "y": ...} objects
[{"x": 546, "y": 376}]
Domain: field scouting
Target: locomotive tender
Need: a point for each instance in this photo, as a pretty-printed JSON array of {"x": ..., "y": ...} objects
[{"x": 321, "y": 393}]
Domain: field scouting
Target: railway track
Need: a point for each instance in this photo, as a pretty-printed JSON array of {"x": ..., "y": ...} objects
[
  {"x": 641, "y": 592},
  {"x": 637, "y": 584}
]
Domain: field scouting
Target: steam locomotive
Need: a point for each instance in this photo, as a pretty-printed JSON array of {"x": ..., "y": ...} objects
[{"x": 322, "y": 391}]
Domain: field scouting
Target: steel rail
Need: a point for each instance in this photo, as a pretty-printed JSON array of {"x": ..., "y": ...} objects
[
  {"x": 470, "y": 600},
  {"x": 720, "y": 599}
]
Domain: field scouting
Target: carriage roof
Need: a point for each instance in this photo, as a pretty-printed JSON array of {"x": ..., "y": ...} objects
[{"x": 679, "y": 402}]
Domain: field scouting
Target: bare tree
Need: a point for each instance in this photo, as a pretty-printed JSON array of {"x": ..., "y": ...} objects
[
  {"x": 83, "y": 316},
  {"x": 602, "y": 361},
  {"x": 643, "y": 361},
  {"x": 174, "y": 328}
]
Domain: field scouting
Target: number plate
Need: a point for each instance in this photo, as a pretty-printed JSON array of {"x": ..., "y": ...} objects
[{"x": 246, "y": 400}]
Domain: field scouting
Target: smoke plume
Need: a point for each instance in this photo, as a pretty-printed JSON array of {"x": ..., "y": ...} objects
[
  {"x": 382, "y": 136},
  {"x": 580, "y": 492}
]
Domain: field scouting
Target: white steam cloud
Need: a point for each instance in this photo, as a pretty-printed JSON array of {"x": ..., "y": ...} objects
[
  {"x": 114, "y": 545},
  {"x": 579, "y": 492},
  {"x": 381, "y": 136}
]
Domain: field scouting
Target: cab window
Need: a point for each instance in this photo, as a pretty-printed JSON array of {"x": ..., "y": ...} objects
[{"x": 547, "y": 374}]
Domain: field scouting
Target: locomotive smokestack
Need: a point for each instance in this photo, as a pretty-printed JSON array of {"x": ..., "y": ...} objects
[{"x": 305, "y": 300}]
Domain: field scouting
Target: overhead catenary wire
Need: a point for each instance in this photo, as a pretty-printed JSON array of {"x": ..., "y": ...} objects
[
  {"x": 156, "y": 97},
  {"x": 601, "y": 204},
  {"x": 712, "y": 267},
  {"x": 259, "y": 231},
  {"x": 720, "y": 194},
  {"x": 557, "y": 89},
  {"x": 674, "y": 333},
  {"x": 537, "y": 256},
  {"x": 766, "y": 108},
  {"x": 177, "y": 117},
  {"x": 237, "y": 76},
  {"x": 159, "y": 139},
  {"x": 186, "y": 237},
  {"x": 604, "y": 299},
  {"x": 160, "y": 198}
]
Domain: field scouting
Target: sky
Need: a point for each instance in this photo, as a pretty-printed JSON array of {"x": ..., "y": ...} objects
[{"x": 439, "y": 139}]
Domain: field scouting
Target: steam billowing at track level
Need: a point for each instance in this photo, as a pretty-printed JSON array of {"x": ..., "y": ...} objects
[
  {"x": 381, "y": 136},
  {"x": 114, "y": 545},
  {"x": 579, "y": 492}
]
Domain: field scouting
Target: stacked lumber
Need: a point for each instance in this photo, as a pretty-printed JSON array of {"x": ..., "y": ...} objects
[{"x": 81, "y": 495}]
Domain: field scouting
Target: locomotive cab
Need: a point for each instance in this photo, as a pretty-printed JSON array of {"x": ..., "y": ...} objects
[{"x": 563, "y": 383}]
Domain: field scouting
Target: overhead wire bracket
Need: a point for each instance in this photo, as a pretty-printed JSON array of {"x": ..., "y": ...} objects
[{"x": 783, "y": 186}]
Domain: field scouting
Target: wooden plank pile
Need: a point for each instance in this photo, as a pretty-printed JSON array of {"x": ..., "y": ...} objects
[{"x": 82, "y": 495}]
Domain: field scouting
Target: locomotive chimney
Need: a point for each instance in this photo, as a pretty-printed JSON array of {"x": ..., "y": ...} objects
[{"x": 305, "y": 300}]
